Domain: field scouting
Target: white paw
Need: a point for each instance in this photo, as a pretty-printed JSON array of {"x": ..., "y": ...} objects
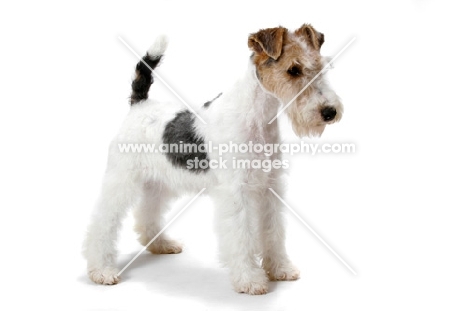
[
  {"x": 283, "y": 272},
  {"x": 252, "y": 288},
  {"x": 257, "y": 284},
  {"x": 106, "y": 276},
  {"x": 165, "y": 247}
]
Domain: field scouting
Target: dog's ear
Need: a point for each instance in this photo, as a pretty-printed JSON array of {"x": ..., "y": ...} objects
[
  {"x": 268, "y": 41},
  {"x": 313, "y": 37}
]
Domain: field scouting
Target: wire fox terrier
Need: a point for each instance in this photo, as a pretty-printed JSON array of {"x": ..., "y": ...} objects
[{"x": 249, "y": 218}]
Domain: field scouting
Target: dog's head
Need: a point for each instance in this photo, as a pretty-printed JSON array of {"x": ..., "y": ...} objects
[{"x": 288, "y": 65}]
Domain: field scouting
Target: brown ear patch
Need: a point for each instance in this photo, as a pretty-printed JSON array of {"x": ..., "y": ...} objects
[
  {"x": 268, "y": 41},
  {"x": 314, "y": 38}
]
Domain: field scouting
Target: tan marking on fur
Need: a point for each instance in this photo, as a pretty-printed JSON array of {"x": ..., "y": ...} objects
[
  {"x": 268, "y": 41},
  {"x": 273, "y": 75},
  {"x": 314, "y": 38}
]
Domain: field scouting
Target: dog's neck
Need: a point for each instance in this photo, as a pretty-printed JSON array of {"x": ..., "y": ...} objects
[
  {"x": 265, "y": 103},
  {"x": 246, "y": 109},
  {"x": 260, "y": 107}
]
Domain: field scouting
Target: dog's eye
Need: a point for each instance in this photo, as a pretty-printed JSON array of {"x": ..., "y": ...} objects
[{"x": 294, "y": 71}]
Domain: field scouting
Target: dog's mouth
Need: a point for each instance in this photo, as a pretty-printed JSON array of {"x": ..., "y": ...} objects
[
  {"x": 313, "y": 124},
  {"x": 324, "y": 116}
]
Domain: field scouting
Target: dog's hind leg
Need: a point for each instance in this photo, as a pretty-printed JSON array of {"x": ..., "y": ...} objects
[
  {"x": 119, "y": 191},
  {"x": 149, "y": 219}
]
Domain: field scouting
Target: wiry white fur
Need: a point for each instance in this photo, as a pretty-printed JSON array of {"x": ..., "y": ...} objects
[
  {"x": 248, "y": 216},
  {"x": 159, "y": 46}
]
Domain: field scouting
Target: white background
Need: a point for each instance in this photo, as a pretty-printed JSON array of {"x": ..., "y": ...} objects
[{"x": 396, "y": 210}]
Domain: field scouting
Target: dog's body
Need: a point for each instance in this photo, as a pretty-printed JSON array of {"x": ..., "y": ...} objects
[{"x": 248, "y": 215}]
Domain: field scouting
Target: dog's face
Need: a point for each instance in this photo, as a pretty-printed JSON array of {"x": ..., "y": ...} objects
[{"x": 286, "y": 62}]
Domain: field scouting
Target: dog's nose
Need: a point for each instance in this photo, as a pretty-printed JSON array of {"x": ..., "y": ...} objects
[{"x": 328, "y": 113}]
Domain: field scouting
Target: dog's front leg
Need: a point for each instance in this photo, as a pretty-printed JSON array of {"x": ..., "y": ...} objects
[
  {"x": 275, "y": 260},
  {"x": 238, "y": 243}
]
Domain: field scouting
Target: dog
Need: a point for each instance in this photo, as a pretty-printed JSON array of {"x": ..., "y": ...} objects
[{"x": 249, "y": 219}]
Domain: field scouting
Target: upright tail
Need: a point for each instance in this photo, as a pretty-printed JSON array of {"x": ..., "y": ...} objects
[{"x": 143, "y": 78}]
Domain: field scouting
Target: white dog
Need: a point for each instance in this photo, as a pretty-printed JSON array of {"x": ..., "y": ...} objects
[{"x": 249, "y": 218}]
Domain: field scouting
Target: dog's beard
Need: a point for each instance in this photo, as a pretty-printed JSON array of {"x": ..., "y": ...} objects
[
  {"x": 310, "y": 130},
  {"x": 306, "y": 125}
]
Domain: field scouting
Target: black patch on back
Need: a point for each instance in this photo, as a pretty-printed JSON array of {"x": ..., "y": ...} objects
[
  {"x": 208, "y": 103},
  {"x": 182, "y": 129}
]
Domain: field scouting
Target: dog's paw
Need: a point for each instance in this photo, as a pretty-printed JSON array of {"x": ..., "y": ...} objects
[
  {"x": 106, "y": 276},
  {"x": 257, "y": 284},
  {"x": 283, "y": 272},
  {"x": 252, "y": 288},
  {"x": 165, "y": 247}
]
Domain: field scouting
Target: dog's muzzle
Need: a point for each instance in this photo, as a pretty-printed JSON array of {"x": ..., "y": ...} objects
[{"x": 328, "y": 113}]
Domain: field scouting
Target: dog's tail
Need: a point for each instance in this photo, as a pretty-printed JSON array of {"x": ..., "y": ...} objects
[{"x": 143, "y": 78}]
